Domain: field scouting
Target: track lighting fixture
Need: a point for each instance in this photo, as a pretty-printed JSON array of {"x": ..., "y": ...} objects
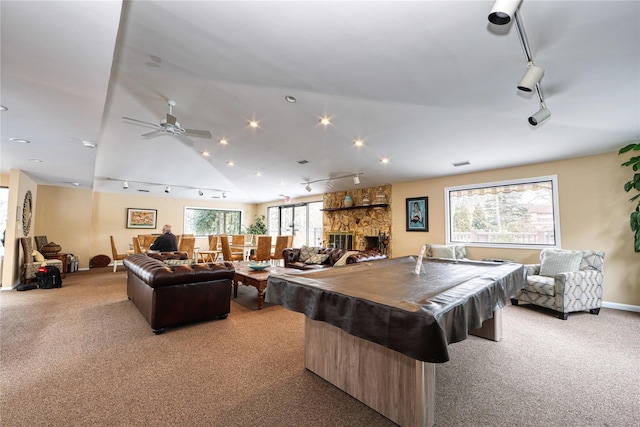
[
  {"x": 125, "y": 184},
  {"x": 542, "y": 115},
  {"x": 503, "y": 11},
  {"x": 167, "y": 189},
  {"x": 224, "y": 194},
  {"x": 355, "y": 176},
  {"x": 200, "y": 193},
  {"x": 531, "y": 77}
]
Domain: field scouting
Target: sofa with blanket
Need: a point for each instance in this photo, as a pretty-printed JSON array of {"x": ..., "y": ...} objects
[
  {"x": 308, "y": 257},
  {"x": 171, "y": 295}
]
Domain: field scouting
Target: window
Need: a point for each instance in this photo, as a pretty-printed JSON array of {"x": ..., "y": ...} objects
[
  {"x": 522, "y": 213},
  {"x": 203, "y": 221},
  {"x": 303, "y": 221}
]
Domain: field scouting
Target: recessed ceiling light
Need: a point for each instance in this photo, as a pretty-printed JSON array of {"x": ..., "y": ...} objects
[
  {"x": 325, "y": 121},
  {"x": 258, "y": 173},
  {"x": 358, "y": 143},
  {"x": 205, "y": 153},
  {"x": 290, "y": 99},
  {"x": 223, "y": 141},
  {"x": 230, "y": 163},
  {"x": 3, "y": 108},
  {"x": 35, "y": 160},
  {"x": 384, "y": 160},
  {"x": 20, "y": 140},
  {"x": 253, "y": 123},
  {"x": 89, "y": 144},
  {"x": 77, "y": 184}
]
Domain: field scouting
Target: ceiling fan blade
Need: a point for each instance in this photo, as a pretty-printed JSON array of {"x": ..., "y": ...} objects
[
  {"x": 198, "y": 133},
  {"x": 140, "y": 122},
  {"x": 184, "y": 139},
  {"x": 153, "y": 134}
]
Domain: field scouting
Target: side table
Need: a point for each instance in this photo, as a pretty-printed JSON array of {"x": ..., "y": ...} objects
[{"x": 62, "y": 257}]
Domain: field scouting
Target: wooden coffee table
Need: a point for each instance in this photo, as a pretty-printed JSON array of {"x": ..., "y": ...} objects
[{"x": 255, "y": 278}]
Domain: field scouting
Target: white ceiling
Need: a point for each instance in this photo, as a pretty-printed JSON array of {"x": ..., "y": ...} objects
[{"x": 426, "y": 84}]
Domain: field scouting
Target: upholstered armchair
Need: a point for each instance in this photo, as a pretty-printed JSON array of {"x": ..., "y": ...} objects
[
  {"x": 30, "y": 265},
  {"x": 446, "y": 251},
  {"x": 565, "y": 281}
]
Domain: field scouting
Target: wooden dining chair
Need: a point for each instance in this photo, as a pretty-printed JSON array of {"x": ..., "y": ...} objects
[
  {"x": 147, "y": 240},
  {"x": 282, "y": 242},
  {"x": 136, "y": 245},
  {"x": 263, "y": 249},
  {"x": 117, "y": 257},
  {"x": 238, "y": 239},
  {"x": 187, "y": 244},
  {"x": 210, "y": 255},
  {"x": 227, "y": 255}
]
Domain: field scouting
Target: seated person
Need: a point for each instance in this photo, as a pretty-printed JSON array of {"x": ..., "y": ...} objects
[{"x": 167, "y": 242}]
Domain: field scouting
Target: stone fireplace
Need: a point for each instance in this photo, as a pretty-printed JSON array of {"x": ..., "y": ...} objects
[{"x": 364, "y": 226}]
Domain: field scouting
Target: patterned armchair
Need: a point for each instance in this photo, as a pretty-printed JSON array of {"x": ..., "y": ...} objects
[
  {"x": 565, "y": 281},
  {"x": 30, "y": 266}
]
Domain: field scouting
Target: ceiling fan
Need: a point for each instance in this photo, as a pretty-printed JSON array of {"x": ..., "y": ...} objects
[{"x": 171, "y": 126}]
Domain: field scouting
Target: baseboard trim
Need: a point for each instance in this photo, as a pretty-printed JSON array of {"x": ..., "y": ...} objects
[{"x": 624, "y": 307}]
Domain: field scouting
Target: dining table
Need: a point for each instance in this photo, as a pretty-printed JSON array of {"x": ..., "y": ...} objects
[{"x": 246, "y": 248}]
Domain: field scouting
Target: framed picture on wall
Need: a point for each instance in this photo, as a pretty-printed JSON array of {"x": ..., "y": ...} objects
[
  {"x": 418, "y": 214},
  {"x": 141, "y": 218}
]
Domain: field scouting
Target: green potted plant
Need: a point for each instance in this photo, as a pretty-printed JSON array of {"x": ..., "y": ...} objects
[
  {"x": 634, "y": 184},
  {"x": 258, "y": 227}
]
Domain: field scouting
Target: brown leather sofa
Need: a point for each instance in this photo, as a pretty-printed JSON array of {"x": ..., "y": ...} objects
[
  {"x": 177, "y": 295},
  {"x": 292, "y": 257}
]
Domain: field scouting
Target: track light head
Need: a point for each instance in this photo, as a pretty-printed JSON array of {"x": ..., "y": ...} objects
[
  {"x": 356, "y": 179},
  {"x": 200, "y": 193},
  {"x": 167, "y": 189},
  {"x": 125, "y": 184},
  {"x": 531, "y": 78},
  {"x": 308, "y": 187},
  {"x": 542, "y": 115},
  {"x": 224, "y": 194},
  {"x": 329, "y": 184},
  {"x": 503, "y": 11}
]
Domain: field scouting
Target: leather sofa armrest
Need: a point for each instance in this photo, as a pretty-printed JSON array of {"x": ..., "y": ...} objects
[{"x": 290, "y": 256}]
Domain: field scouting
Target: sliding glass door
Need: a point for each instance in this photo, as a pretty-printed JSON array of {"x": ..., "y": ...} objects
[{"x": 303, "y": 221}]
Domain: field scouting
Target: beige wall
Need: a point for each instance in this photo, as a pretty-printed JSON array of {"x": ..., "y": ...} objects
[
  {"x": 594, "y": 214},
  {"x": 110, "y": 211}
]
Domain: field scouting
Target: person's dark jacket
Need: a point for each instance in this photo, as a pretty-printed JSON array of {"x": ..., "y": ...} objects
[{"x": 165, "y": 243}]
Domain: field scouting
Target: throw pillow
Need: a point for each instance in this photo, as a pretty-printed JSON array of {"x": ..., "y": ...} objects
[
  {"x": 555, "y": 262},
  {"x": 438, "y": 251},
  {"x": 38, "y": 257},
  {"x": 306, "y": 252},
  {"x": 317, "y": 259}
]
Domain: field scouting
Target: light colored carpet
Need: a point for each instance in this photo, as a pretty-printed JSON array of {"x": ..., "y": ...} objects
[{"x": 82, "y": 355}]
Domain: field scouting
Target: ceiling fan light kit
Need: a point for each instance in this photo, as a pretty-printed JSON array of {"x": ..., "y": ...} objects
[
  {"x": 171, "y": 126},
  {"x": 502, "y": 13}
]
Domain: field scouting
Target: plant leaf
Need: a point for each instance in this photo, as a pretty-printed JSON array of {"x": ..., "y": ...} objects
[{"x": 627, "y": 148}]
